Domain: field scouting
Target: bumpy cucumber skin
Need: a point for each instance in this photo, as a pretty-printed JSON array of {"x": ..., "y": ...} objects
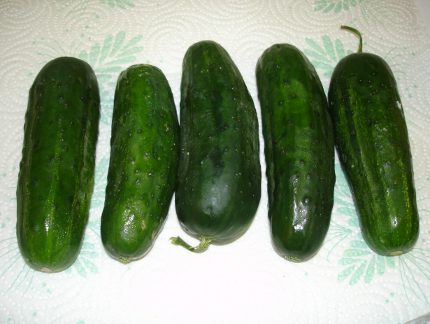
[
  {"x": 372, "y": 141},
  {"x": 56, "y": 174},
  {"x": 143, "y": 163},
  {"x": 219, "y": 178},
  {"x": 299, "y": 151}
]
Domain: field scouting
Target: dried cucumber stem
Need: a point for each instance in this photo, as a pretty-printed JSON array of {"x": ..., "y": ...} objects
[
  {"x": 358, "y": 34},
  {"x": 202, "y": 247}
]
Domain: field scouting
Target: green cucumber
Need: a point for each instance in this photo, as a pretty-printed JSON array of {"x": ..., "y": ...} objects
[
  {"x": 143, "y": 163},
  {"x": 299, "y": 151},
  {"x": 373, "y": 145},
  {"x": 56, "y": 174},
  {"x": 219, "y": 175}
]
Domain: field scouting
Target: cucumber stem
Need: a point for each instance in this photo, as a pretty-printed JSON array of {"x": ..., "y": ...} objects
[
  {"x": 203, "y": 245},
  {"x": 358, "y": 34}
]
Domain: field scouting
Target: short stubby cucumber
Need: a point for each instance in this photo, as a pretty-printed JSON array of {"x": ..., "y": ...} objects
[
  {"x": 373, "y": 145},
  {"x": 56, "y": 174},
  {"x": 143, "y": 163},
  {"x": 299, "y": 151},
  {"x": 219, "y": 175}
]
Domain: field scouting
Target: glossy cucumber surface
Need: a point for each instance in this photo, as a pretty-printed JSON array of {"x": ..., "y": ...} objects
[
  {"x": 219, "y": 175},
  {"x": 372, "y": 141},
  {"x": 56, "y": 174},
  {"x": 143, "y": 163},
  {"x": 299, "y": 151}
]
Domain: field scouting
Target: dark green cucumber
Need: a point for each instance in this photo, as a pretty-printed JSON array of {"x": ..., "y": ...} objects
[
  {"x": 372, "y": 141},
  {"x": 299, "y": 151},
  {"x": 219, "y": 176},
  {"x": 143, "y": 163},
  {"x": 56, "y": 174}
]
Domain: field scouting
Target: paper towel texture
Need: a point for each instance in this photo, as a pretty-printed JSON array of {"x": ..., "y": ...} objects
[{"x": 244, "y": 282}]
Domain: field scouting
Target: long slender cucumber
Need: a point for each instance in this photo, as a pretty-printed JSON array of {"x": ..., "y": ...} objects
[
  {"x": 373, "y": 145},
  {"x": 57, "y": 167},
  {"x": 299, "y": 151},
  {"x": 143, "y": 163}
]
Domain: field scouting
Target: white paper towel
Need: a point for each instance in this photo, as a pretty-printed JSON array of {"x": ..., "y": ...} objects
[{"x": 244, "y": 282}]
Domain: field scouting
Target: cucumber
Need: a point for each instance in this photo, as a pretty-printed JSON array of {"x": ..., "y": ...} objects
[
  {"x": 219, "y": 175},
  {"x": 56, "y": 173},
  {"x": 372, "y": 141},
  {"x": 143, "y": 163},
  {"x": 299, "y": 151}
]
